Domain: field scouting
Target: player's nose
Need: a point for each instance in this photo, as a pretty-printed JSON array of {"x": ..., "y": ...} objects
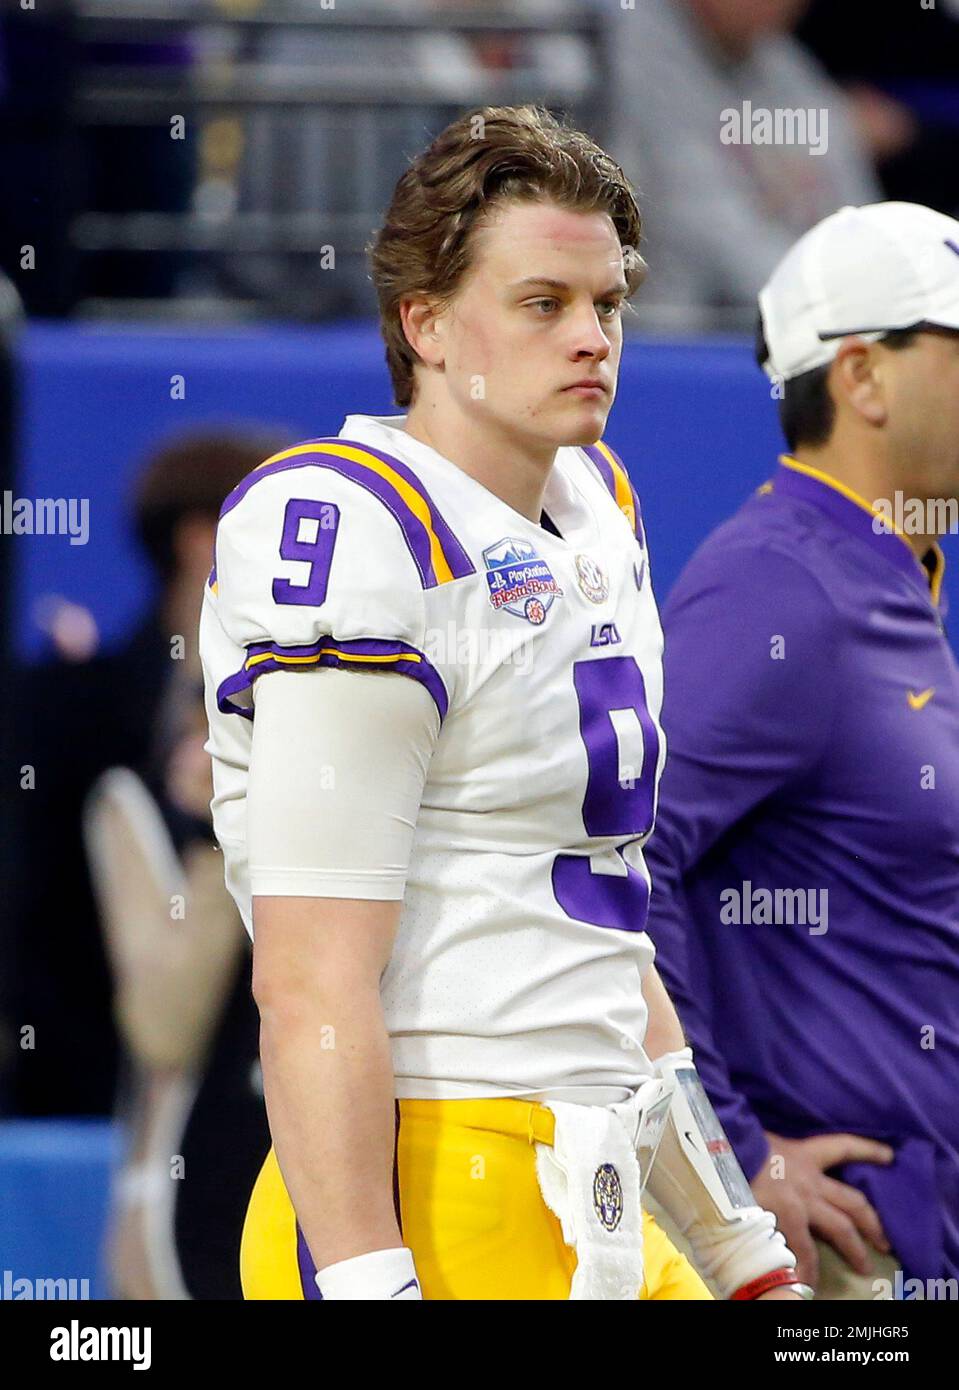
[{"x": 590, "y": 338}]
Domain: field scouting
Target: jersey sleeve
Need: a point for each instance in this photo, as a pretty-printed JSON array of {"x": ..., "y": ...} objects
[
  {"x": 332, "y": 813},
  {"x": 315, "y": 567}
]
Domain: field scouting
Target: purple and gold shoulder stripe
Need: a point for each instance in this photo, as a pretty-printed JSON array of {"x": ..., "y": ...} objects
[
  {"x": 233, "y": 695},
  {"x": 438, "y": 555},
  {"x": 612, "y": 471}
]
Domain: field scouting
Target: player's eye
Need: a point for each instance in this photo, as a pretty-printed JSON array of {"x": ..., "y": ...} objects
[{"x": 609, "y": 308}]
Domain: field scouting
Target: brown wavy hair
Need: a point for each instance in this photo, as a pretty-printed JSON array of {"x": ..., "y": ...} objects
[{"x": 486, "y": 157}]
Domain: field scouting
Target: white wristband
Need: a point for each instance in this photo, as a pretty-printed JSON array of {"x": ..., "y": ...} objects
[
  {"x": 734, "y": 1241},
  {"x": 381, "y": 1274}
]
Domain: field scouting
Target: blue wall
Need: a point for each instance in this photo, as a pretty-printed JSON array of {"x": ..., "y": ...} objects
[
  {"x": 694, "y": 424},
  {"x": 54, "y": 1192}
]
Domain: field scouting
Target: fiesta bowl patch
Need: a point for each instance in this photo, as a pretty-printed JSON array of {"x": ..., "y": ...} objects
[{"x": 519, "y": 580}]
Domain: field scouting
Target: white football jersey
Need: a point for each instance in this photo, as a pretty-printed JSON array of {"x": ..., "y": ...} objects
[{"x": 518, "y": 960}]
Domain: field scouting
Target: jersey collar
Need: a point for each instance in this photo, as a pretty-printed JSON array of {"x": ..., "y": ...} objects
[
  {"x": 569, "y": 507},
  {"x": 855, "y": 514}
]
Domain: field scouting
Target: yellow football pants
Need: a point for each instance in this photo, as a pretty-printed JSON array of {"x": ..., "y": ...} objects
[{"x": 470, "y": 1209}]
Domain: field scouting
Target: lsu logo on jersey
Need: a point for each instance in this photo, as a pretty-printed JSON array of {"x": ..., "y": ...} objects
[
  {"x": 519, "y": 580},
  {"x": 604, "y": 635}
]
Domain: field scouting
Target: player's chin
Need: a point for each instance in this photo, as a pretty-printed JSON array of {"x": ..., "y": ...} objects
[{"x": 583, "y": 419}]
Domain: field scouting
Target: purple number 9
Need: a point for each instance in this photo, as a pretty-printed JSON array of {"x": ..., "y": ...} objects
[
  {"x": 318, "y": 551},
  {"x": 622, "y": 746},
  {"x": 622, "y": 754}
]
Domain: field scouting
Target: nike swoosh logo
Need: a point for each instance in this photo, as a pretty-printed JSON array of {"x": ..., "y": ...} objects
[{"x": 918, "y": 701}]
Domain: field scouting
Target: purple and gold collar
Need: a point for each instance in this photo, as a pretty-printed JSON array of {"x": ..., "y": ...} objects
[{"x": 855, "y": 514}]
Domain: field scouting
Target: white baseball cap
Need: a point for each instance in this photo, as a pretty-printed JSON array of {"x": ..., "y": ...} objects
[{"x": 862, "y": 271}]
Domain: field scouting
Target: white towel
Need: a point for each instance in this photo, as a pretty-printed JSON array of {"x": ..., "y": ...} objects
[{"x": 590, "y": 1179}]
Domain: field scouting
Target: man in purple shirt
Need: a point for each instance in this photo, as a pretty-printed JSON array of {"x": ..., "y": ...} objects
[{"x": 806, "y": 857}]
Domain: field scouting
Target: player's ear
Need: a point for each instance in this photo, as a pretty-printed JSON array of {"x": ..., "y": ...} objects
[
  {"x": 859, "y": 379},
  {"x": 423, "y": 323}
]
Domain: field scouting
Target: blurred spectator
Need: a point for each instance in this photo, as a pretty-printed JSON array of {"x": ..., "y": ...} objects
[
  {"x": 191, "y": 1103},
  {"x": 701, "y": 103},
  {"x": 901, "y": 74},
  {"x": 131, "y": 706}
]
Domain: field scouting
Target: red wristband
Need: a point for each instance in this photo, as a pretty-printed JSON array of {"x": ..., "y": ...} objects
[{"x": 773, "y": 1280}]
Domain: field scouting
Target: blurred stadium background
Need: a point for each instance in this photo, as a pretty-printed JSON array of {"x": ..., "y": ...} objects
[{"x": 188, "y": 191}]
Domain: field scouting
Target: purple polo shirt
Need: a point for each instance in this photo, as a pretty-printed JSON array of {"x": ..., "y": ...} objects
[{"x": 812, "y": 781}]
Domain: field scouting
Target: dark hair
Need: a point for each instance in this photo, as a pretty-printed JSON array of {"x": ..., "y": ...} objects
[
  {"x": 191, "y": 475},
  {"x": 482, "y": 159},
  {"x": 807, "y": 412}
]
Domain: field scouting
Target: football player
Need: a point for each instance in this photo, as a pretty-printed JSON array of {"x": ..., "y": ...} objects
[{"x": 433, "y": 666}]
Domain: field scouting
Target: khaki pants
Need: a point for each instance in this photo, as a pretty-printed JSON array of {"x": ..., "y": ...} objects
[{"x": 836, "y": 1279}]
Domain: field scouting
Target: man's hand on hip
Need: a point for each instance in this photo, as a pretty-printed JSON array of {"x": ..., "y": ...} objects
[{"x": 806, "y": 1203}]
